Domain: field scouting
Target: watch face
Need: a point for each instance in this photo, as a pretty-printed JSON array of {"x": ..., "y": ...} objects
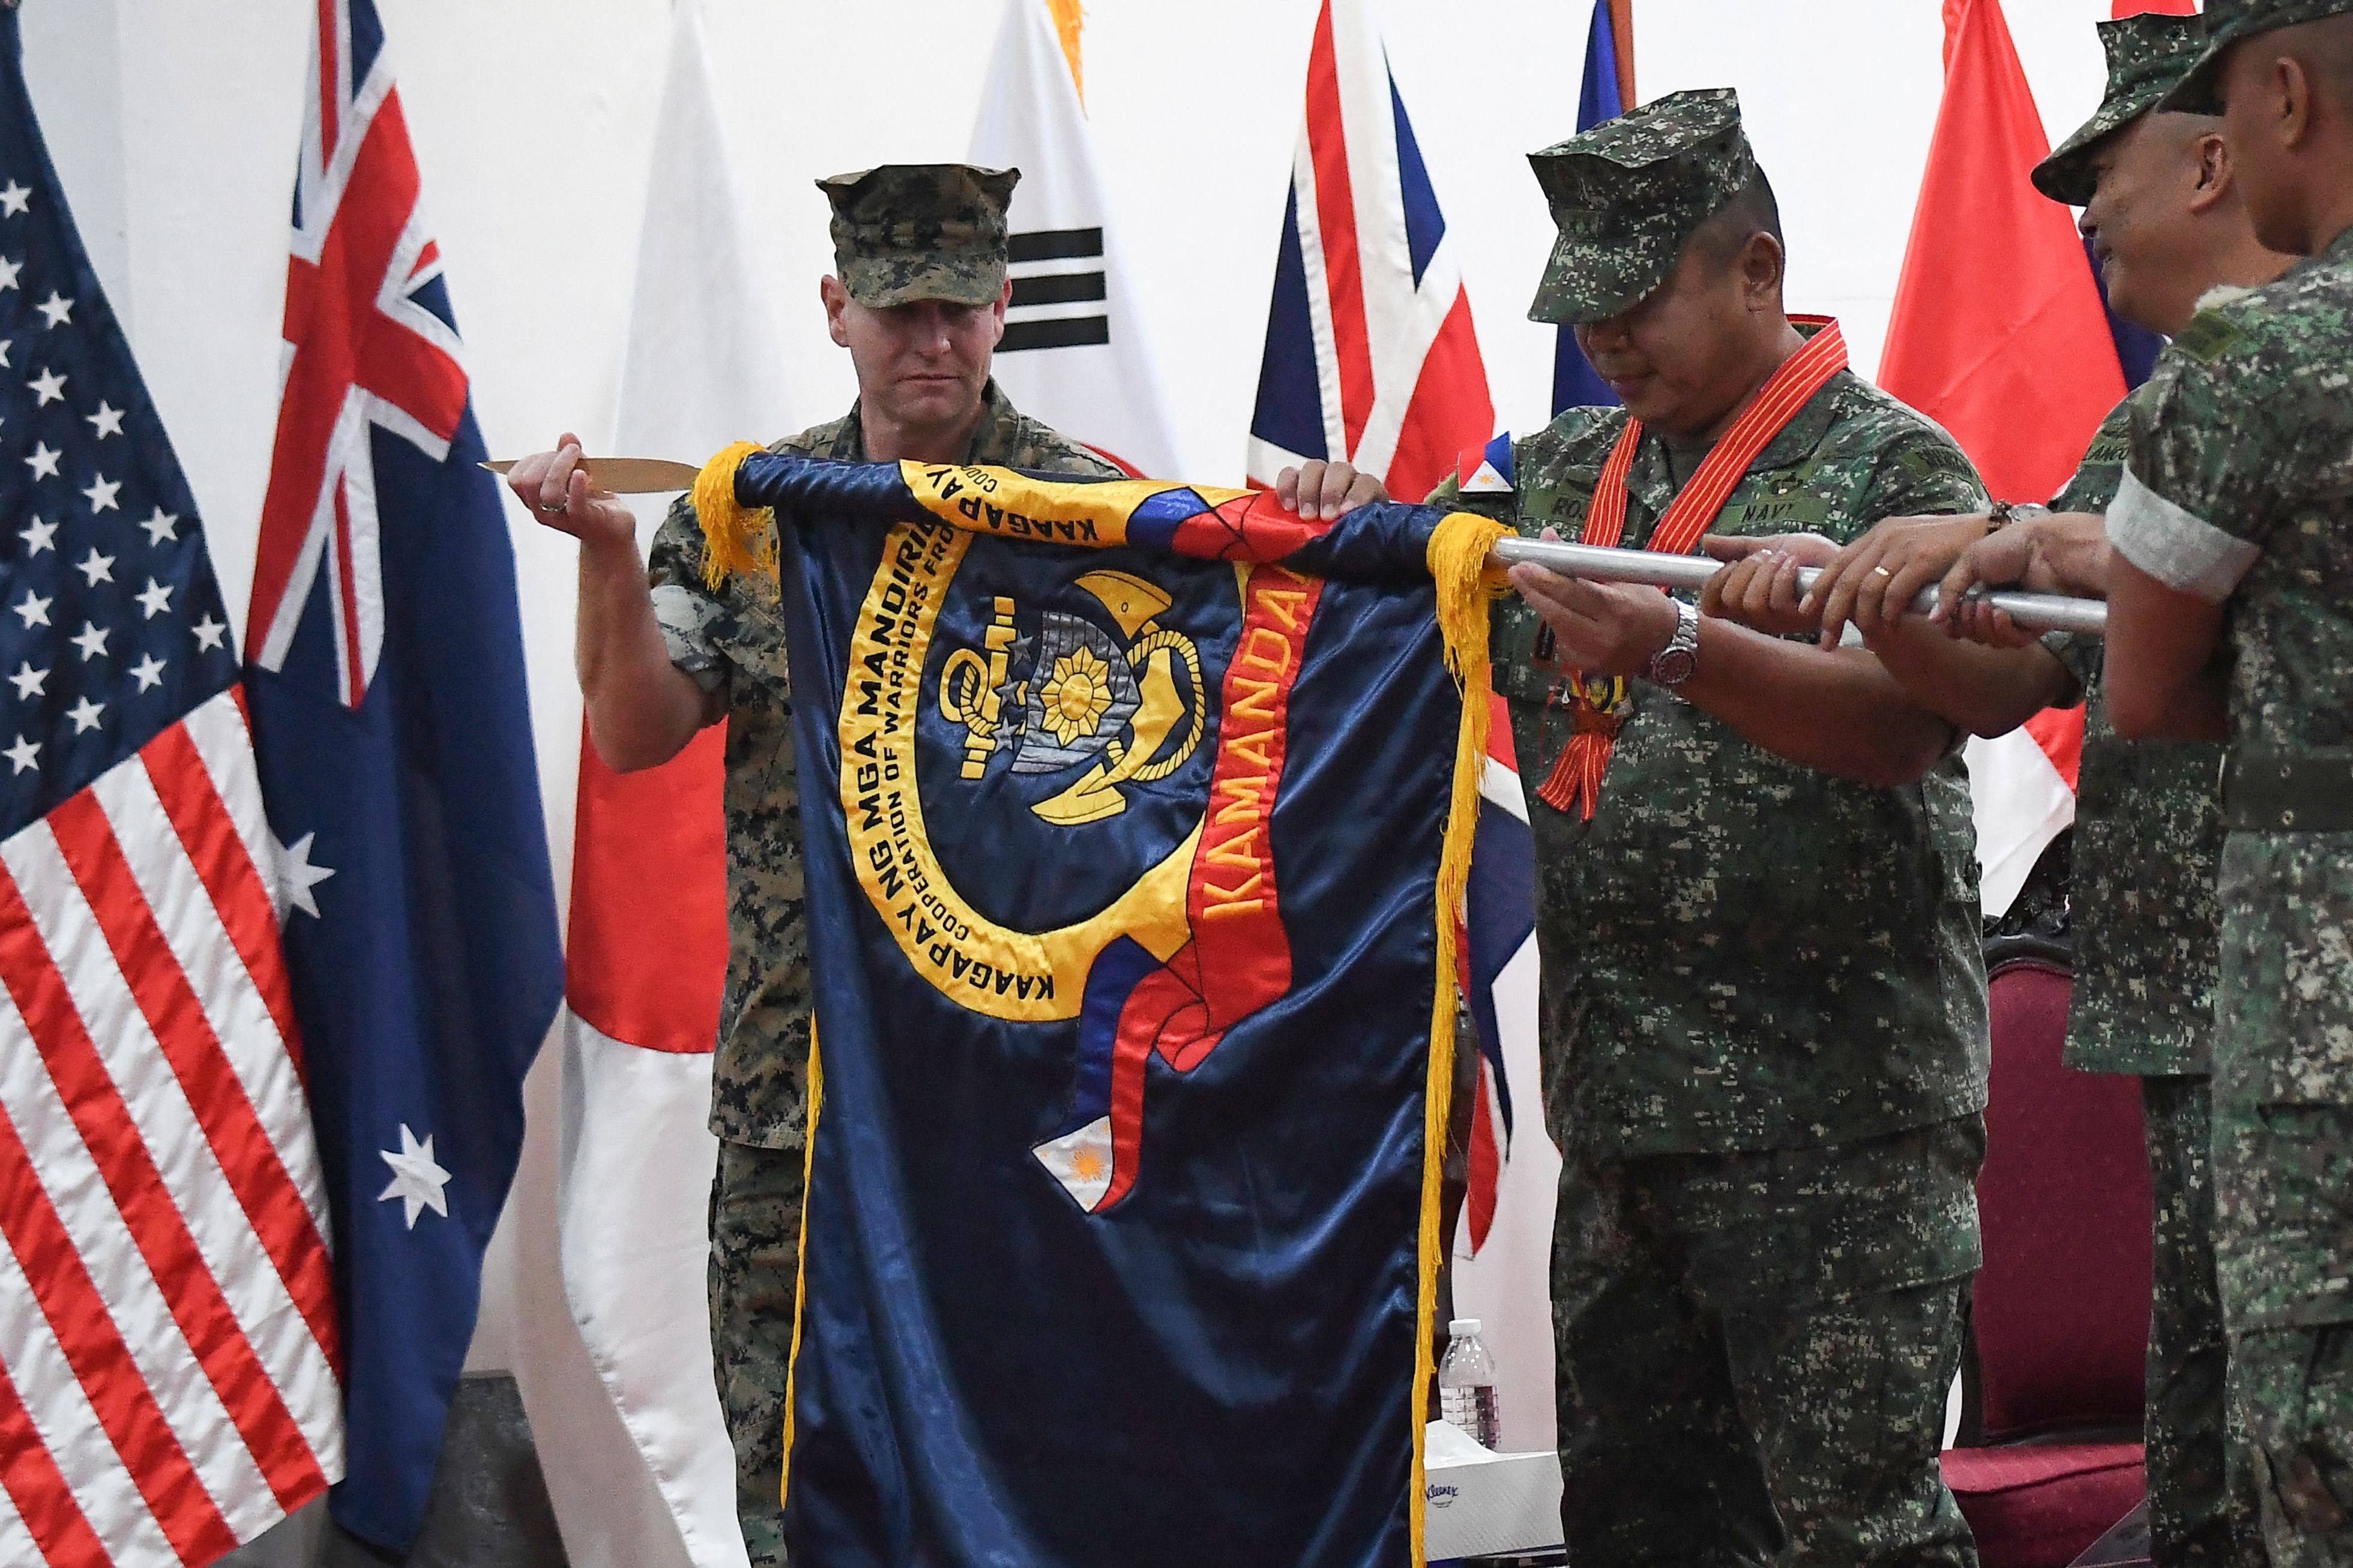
[{"x": 1675, "y": 666}]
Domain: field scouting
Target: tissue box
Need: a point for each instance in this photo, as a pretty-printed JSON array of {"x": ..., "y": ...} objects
[{"x": 1478, "y": 1504}]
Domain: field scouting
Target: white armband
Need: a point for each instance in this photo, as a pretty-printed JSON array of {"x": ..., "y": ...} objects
[{"x": 2175, "y": 545}]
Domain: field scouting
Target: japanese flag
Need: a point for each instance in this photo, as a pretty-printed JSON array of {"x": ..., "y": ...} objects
[{"x": 647, "y": 948}]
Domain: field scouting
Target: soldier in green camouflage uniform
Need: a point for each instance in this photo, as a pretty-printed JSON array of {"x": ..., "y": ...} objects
[
  {"x": 2148, "y": 844},
  {"x": 2146, "y": 930},
  {"x": 2167, "y": 225},
  {"x": 920, "y": 254},
  {"x": 2232, "y": 532},
  {"x": 1764, "y": 1004}
]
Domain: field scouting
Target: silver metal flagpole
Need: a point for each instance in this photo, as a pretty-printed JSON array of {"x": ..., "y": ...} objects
[{"x": 2036, "y": 612}]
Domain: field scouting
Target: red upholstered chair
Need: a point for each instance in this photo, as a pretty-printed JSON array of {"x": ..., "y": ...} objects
[{"x": 2051, "y": 1456}]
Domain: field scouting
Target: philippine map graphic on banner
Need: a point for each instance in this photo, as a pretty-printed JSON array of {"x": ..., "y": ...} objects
[{"x": 1140, "y": 804}]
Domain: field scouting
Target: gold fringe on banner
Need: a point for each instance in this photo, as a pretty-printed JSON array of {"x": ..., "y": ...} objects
[
  {"x": 735, "y": 537},
  {"x": 739, "y": 538},
  {"x": 1466, "y": 587},
  {"x": 800, "y": 1274}
]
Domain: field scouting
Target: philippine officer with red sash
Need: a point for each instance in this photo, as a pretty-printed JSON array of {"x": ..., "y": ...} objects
[{"x": 1764, "y": 1023}]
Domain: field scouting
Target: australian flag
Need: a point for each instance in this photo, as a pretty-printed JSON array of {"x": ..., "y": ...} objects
[{"x": 384, "y": 664}]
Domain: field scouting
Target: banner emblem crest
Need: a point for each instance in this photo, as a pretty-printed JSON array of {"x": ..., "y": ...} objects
[{"x": 1066, "y": 694}]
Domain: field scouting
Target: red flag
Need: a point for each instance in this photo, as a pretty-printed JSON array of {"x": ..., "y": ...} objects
[
  {"x": 649, "y": 940},
  {"x": 645, "y": 967},
  {"x": 1997, "y": 333},
  {"x": 2060, "y": 733}
]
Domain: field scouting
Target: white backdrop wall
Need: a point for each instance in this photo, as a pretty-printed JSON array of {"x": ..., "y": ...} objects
[{"x": 174, "y": 127}]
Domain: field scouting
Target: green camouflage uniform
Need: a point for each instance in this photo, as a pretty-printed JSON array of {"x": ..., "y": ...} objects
[
  {"x": 907, "y": 232},
  {"x": 1763, "y": 1014},
  {"x": 2147, "y": 935},
  {"x": 2239, "y": 490},
  {"x": 2149, "y": 56},
  {"x": 730, "y": 639},
  {"x": 2229, "y": 23}
]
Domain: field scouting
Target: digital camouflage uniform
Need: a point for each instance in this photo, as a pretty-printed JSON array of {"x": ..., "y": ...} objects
[
  {"x": 907, "y": 232},
  {"x": 1763, "y": 1017},
  {"x": 730, "y": 639},
  {"x": 2148, "y": 937},
  {"x": 2239, "y": 491}
]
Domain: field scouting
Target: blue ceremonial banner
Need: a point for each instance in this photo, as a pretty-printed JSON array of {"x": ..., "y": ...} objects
[
  {"x": 1126, "y": 804},
  {"x": 384, "y": 663}
]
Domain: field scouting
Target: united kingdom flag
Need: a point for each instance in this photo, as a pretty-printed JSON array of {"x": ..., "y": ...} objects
[
  {"x": 1371, "y": 359},
  {"x": 1370, "y": 354},
  {"x": 384, "y": 664}
]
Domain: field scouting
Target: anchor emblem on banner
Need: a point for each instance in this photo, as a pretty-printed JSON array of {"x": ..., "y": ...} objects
[
  {"x": 1167, "y": 936},
  {"x": 1071, "y": 694}
]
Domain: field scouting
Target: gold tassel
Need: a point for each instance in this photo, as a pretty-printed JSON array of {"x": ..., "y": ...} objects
[
  {"x": 800, "y": 1275},
  {"x": 1466, "y": 587},
  {"x": 735, "y": 537},
  {"x": 1070, "y": 21}
]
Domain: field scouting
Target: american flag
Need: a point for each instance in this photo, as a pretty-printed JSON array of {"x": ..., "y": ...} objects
[{"x": 168, "y": 1379}]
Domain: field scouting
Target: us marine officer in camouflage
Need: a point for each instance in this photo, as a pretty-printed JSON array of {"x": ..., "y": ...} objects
[
  {"x": 2168, "y": 222},
  {"x": 2232, "y": 617},
  {"x": 918, "y": 299},
  {"x": 1763, "y": 1022}
]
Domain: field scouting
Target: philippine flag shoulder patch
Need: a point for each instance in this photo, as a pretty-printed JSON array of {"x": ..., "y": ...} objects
[{"x": 1487, "y": 470}]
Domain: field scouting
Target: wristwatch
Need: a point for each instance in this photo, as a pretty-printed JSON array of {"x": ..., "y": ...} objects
[
  {"x": 2004, "y": 513},
  {"x": 1673, "y": 664}
]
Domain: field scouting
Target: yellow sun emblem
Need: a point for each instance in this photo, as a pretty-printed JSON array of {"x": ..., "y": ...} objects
[{"x": 1076, "y": 695}]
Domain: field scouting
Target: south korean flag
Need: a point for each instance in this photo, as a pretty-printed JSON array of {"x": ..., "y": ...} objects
[{"x": 1073, "y": 354}]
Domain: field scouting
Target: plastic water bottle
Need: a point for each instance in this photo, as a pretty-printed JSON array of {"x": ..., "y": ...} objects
[{"x": 1466, "y": 1386}]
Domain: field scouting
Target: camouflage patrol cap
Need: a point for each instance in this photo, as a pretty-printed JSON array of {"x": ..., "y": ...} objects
[
  {"x": 1629, "y": 195},
  {"x": 921, "y": 231},
  {"x": 2229, "y": 23},
  {"x": 2147, "y": 57}
]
